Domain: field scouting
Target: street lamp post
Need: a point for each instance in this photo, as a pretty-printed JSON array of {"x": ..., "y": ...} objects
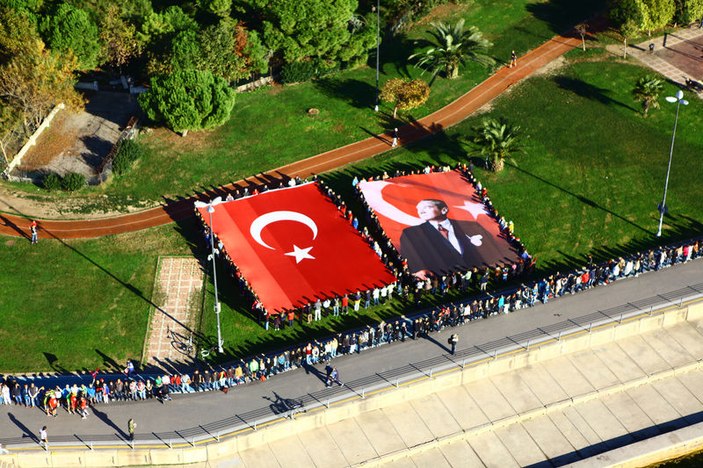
[
  {"x": 211, "y": 209},
  {"x": 662, "y": 207},
  {"x": 378, "y": 48}
]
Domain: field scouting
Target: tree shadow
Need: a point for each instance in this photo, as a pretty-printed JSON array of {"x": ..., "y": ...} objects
[
  {"x": 588, "y": 91},
  {"x": 395, "y": 50},
  {"x": 562, "y": 15},
  {"x": 357, "y": 93},
  {"x": 96, "y": 148}
]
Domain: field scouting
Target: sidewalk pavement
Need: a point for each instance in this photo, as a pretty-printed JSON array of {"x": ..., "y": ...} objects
[{"x": 187, "y": 411}]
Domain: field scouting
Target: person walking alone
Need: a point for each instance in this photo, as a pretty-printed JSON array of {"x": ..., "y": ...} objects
[
  {"x": 394, "y": 143},
  {"x": 131, "y": 426},
  {"x": 453, "y": 340},
  {"x": 44, "y": 439},
  {"x": 513, "y": 59},
  {"x": 34, "y": 230}
]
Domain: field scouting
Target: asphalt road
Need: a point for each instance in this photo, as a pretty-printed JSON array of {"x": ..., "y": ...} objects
[{"x": 187, "y": 411}]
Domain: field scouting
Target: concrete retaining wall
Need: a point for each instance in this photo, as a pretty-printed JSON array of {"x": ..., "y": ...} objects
[
  {"x": 17, "y": 160},
  {"x": 421, "y": 387}
]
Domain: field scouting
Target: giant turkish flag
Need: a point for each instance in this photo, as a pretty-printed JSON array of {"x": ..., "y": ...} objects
[{"x": 293, "y": 246}]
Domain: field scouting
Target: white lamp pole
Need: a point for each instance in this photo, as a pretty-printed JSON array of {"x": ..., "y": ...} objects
[
  {"x": 211, "y": 209},
  {"x": 378, "y": 48},
  {"x": 662, "y": 208}
]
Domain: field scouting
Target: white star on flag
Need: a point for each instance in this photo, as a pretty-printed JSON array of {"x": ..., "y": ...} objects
[
  {"x": 474, "y": 209},
  {"x": 300, "y": 254}
]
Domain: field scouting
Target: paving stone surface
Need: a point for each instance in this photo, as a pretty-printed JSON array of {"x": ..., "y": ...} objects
[{"x": 180, "y": 282}]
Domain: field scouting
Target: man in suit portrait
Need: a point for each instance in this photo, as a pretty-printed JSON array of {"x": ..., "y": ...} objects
[{"x": 441, "y": 245}]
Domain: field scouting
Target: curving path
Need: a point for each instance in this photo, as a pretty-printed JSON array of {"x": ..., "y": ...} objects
[{"x": 449, "y": 115}]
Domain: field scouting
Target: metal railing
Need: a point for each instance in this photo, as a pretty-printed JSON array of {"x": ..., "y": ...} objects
[{"x": 360, "y": 388}]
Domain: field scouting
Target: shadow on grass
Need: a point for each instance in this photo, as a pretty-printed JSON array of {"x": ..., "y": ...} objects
[
  {"x": 588, "y": 91},
  {"x": 562, "y": 15},
  {"x": 357, "y": 93},
  {"x": 395, "y": 50},
  {"x": 581, "y": 198}
]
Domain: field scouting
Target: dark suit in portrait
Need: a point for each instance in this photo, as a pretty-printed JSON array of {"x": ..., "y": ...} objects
[{"x": 425, "y": 248}]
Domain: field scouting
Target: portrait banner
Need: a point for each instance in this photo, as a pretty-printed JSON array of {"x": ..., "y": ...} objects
[
  {"x": 293, "y": 246},
  {"x": 438, "y": 223}
]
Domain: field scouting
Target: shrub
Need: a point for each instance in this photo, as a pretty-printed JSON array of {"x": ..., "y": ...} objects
[
  {"x": 73, "y": 181},
  {"x": 298, "y": 72},
  {"x": 127, "y": 154},
  {"x": 52, "y": 181}
]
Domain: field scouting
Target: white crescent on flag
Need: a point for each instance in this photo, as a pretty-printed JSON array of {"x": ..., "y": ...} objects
[{"x": 265, "y": 219}]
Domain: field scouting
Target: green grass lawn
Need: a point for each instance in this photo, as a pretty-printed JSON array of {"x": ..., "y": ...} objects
[
  {"x": 79, "y": 304},
  {"x": 270, "y": 127},
  {"x": 589, "y": 181}
]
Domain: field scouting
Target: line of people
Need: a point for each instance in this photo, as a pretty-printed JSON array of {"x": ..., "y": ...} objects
[{"x": 77, "y": 398}]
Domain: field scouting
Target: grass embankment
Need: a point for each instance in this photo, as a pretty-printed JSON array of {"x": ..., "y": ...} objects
[
  {"x": 270, "y": 127},
  {"x": 589, "y": 181},
  {"x": 78, "y": 304}
]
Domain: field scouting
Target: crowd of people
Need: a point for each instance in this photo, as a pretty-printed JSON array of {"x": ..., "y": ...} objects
[{"x": 76, "y": 398}]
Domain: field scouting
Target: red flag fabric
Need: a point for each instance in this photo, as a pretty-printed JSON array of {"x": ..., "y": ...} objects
[
  {"x": 416, "y": 210},
  {"x": 293, "y": 246}
]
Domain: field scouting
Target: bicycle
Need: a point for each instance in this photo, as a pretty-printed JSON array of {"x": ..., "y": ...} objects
[{"x": 185, "y": 347}]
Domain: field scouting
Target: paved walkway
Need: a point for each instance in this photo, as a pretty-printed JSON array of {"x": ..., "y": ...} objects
[
  {"x": 179, "y": 283},
  {"x": 187, "y": 411},
  {"x": 677, "y": 56},
  {"x": 553, "y": 413},
  {"x": 452, "y": 114}
]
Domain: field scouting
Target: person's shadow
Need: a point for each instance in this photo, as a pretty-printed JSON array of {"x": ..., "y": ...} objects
[
  {"x": 104, "y": 418},
  {"x": 429, "y": 337},
  {"x": 311, "y": 369},
  {"x": 25, "y": 430}
]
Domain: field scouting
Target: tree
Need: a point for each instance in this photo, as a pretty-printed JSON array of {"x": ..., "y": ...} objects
[
  {"x": 37, "y": 79},
  {"x": 497, "y": 140},
  {"x": 632, "y": 13},
  {"x": 627, "y": 29},
  {"x": 72, "y": 28},
  {"x": 582, "y": 29},
  {"x": 219, "y": 8},
  {"x": 647, "y": 91},
  {"x": 688, "y": 11},
  {"x": 118, "y": 38},
  {"x": 229, "y": 50},
  {"x": 659, "y": 14},
  {"x": 188, "y": 100},
  {"x": 451, "y": 47},
  {"x": 17, "y": 29},
  {"x": 327, "y": 31},
  {"x": 404, "y": 94}
]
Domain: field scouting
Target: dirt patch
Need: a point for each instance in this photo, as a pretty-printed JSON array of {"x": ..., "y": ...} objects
[
  {"x": 442, "y": 12},
  {"x": 552, "y": 67},
  {"x": 78, "y": 142},
  {"x": 194, "y": 141}
]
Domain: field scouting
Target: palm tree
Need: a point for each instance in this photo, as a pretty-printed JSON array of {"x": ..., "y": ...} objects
[
  {"x": 451, "y": 47},
  {"x": 647, "y": 92},
  {"x": 497, "y": 140}
]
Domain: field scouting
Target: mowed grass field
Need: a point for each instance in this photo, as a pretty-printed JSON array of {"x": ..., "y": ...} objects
[
  {"x": 588, "y": 181},
  {"x": 270, "y": 127},
  {"x": 79, "y": 304}
]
